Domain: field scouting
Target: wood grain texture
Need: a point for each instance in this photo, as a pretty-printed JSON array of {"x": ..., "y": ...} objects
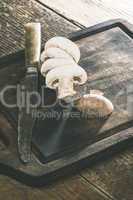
[
  {"x": 114, "y": 176},
  {"x": 90, "y": 12},
  {"x": 15, "y": 14},
  {"x": 75, "y": 188}
]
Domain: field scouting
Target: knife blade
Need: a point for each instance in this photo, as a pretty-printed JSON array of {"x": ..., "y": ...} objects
[{"x": 29, "y": 86}]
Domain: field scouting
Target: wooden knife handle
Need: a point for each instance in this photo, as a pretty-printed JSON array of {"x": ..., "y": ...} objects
[{"x": 32, "y": 43}]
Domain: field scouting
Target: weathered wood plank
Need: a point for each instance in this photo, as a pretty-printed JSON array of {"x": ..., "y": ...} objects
[
  {"x": 90, "y": 12},
  {"x": 75, "y": 188},
  {"x": 13, "y": 16},
  {"x": 114, "y": 175}
]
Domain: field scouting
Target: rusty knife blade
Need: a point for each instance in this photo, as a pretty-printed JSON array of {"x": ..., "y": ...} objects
[{"x": 29, "y": 90}]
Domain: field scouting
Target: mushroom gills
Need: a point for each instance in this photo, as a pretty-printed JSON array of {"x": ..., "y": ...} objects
[{"x": 66, "y": 79}]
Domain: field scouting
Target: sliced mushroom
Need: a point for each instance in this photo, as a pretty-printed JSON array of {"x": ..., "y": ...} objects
[
  {"x": 54, "y": 63},
  {"x": 94, "y": 105},
  {"x": 66, "y": 45},
  {"x": 54, "y": 53},
  {"x": 64, "y": 79}
]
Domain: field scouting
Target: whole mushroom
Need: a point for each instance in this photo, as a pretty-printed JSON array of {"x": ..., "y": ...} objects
[{"x": 94, "y": 105}]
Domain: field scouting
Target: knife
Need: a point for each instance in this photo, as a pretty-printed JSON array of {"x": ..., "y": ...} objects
[{"x": 29, "y": 87}]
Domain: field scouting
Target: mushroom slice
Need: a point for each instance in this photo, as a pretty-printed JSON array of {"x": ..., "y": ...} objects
[
  {"x": 65, "y": 44},
  {"x": 43, "y": 58},
  {"x": 54, "y": 52},
  {"x": 94, "y": 106},
  {"x": 65, "y": 78},
  {"x": 56, "y": 62}
]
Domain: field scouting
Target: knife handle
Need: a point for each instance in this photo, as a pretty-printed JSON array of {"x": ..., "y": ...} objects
[{"x": 32, "y": 44}]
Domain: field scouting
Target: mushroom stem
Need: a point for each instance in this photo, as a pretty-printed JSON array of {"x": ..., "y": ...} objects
[{"x": 65, "y": 88}]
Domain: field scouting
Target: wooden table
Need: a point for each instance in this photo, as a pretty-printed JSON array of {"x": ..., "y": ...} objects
[{"x": 110, "y": 179}]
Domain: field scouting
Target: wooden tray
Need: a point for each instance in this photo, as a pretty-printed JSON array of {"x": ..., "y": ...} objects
[{"x": 62, "y": 145}]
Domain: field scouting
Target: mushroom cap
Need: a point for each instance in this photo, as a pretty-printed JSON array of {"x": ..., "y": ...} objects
[
  {"x": 95, "y": 105},
  {"x": 65, "y": 44},
  {"x": 54, "y": 52},
  {"x": 73, "y": 72},
  {"x": 97, "y": 92},
  {"x": 55, "y": 63}
]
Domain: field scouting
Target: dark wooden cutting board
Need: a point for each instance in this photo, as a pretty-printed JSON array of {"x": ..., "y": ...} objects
[{"x": 65, "y": 143}]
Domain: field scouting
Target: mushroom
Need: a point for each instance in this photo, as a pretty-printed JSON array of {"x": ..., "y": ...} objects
[
  {"x": 64, "y": 44},
  {"x": 54, "y": 63},
  {"x": 94, "y": 105},
  {"x": 60, "y": 67},
  {"x": 54, "y": 52},
  {"x": 64, "y": 79},
  {"x": 97, "y": 92}
]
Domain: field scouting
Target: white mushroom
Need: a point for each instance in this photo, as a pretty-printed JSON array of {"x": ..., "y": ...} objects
[
  {"x": 62, "y": 73},
  {"x": 97, "y": 92},
  {"x": 54, "y": 52},
  {"x": 65, "y": 44},
  {"x": 94, "y": 105},
  {"x": 54, "y": 63},
  {"x": 60, "y": 67},
  {"x": 64, "y": 79}
]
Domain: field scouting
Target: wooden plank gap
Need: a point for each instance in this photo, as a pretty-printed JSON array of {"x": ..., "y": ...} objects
[
  {"x": 99, "y": 189},
  {"x": 74, "y": 22}
]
